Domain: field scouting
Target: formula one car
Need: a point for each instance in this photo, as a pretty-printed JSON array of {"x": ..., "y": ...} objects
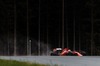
[{"x": 64, "y": 52}]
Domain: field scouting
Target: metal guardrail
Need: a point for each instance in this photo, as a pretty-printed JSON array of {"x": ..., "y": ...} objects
[{"x": 59, "y": 60}]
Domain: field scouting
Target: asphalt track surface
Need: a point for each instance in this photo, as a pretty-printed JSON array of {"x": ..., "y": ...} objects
[{"x": 59, "y": 60}]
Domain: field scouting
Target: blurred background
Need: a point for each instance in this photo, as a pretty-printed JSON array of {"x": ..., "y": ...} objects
[{"x": 35, "y": 27}]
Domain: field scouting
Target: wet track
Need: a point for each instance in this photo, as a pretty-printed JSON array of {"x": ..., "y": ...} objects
[{"x": 60, "y": 60}]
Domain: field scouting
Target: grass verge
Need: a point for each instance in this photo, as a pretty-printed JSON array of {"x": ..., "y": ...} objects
[{"x": 18, "y": 63}]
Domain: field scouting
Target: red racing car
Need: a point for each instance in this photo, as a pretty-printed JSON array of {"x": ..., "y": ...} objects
[{"x": 64, "y": 52}]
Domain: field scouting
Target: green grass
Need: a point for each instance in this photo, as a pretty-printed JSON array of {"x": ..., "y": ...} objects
[{"x": 17, "y": 63}]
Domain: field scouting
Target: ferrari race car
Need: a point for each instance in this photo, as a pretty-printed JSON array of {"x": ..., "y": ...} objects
[{"x": 64, "y": 52}]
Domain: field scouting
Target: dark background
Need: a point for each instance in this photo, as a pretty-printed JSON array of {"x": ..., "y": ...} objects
[{"x": 18, "y": 15}]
